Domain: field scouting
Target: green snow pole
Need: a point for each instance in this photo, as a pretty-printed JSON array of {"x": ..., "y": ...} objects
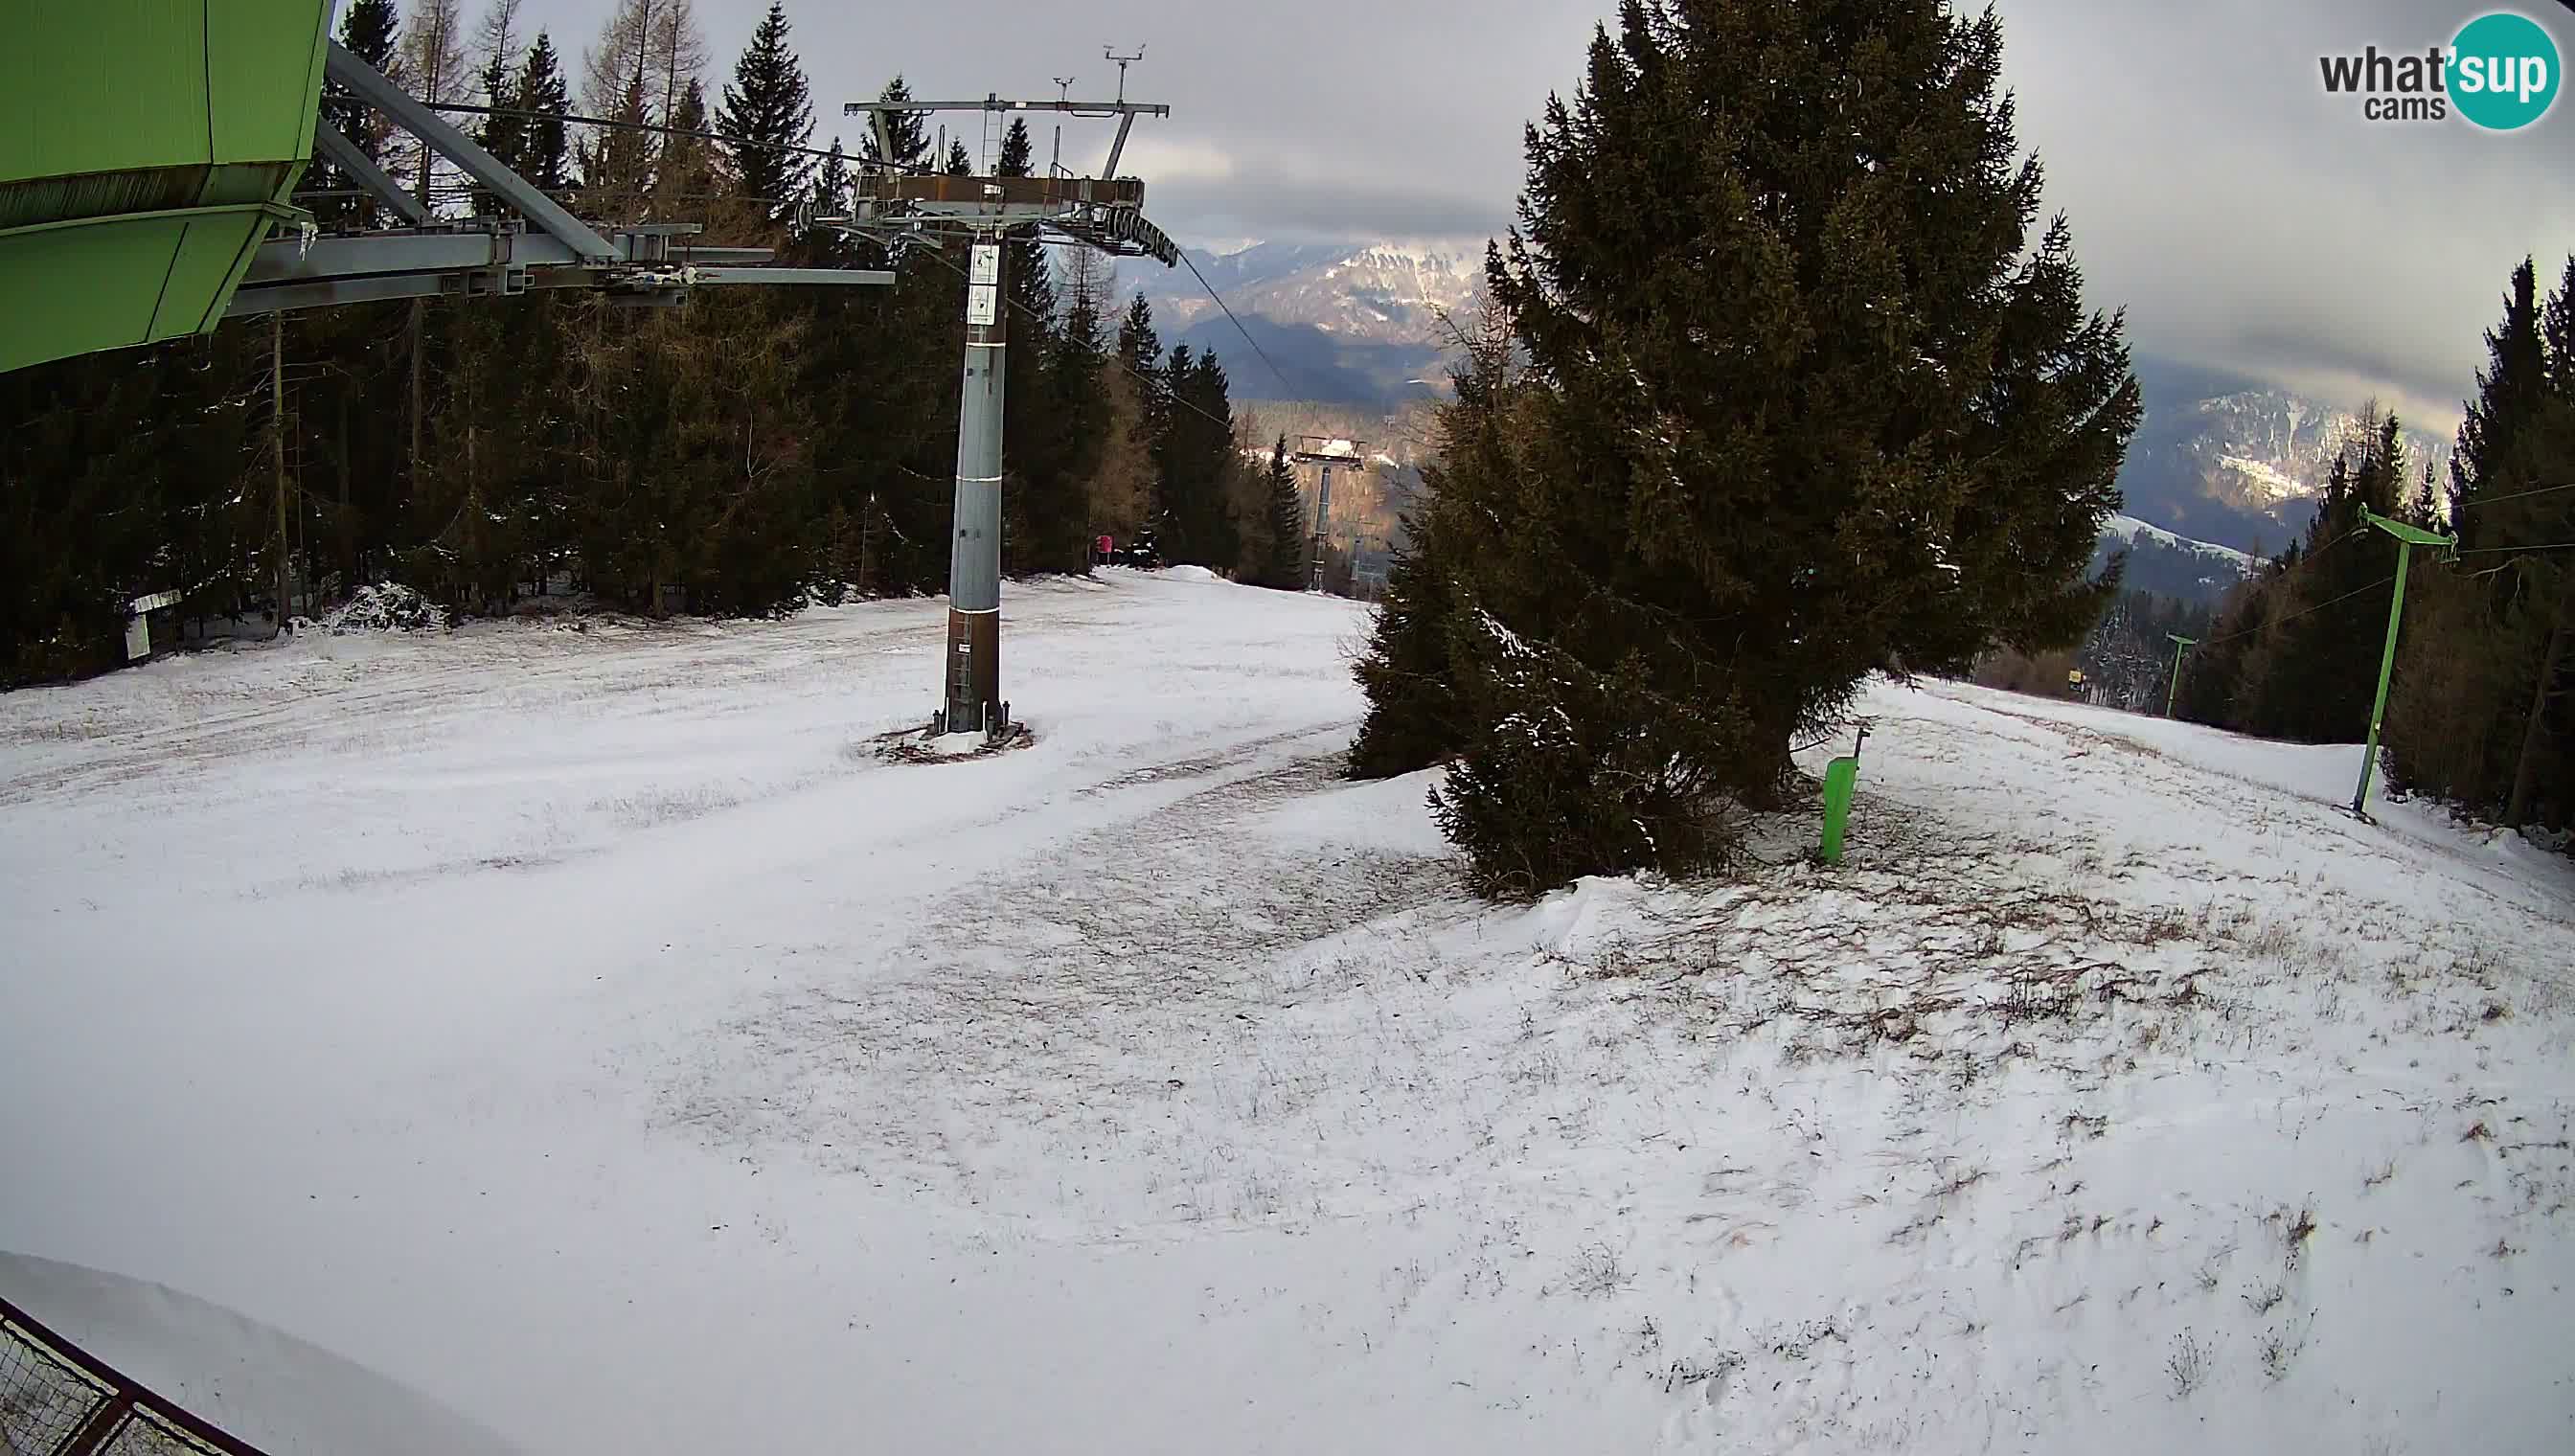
[
  {"x": 2180, "y": 643},
  {"x": 2407, "y": 537},
  {"x": 1840, "y": 776}
]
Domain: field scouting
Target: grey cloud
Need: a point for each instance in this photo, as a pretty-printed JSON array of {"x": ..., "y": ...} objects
[{"x": 2243, "y": 218}]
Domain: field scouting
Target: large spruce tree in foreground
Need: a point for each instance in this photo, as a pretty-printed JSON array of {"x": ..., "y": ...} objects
[{"x": 1803, "y": 398}]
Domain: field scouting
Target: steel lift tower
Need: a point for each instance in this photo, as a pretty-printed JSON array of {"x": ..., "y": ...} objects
[
  {"x": 899, "y": 211},
  {"x": 1326, "y": 451}
]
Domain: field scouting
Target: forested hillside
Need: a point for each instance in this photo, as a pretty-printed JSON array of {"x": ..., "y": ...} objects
[{"x": 740, "y": 454}]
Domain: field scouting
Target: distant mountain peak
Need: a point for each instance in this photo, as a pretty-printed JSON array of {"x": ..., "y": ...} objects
[{"x": 2231, "y": 461}]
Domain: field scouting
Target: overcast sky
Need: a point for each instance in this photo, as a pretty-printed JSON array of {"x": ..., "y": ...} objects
[{"x": 2244, "y": 219}]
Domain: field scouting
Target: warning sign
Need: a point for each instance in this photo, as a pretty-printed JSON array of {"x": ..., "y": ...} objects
[{"x": 983, "y": 304}]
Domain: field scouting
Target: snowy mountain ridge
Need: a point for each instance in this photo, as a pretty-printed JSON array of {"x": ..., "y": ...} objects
[
  {"x": 1388, "y": 293},
  {"x": 2131, "y": 529}
]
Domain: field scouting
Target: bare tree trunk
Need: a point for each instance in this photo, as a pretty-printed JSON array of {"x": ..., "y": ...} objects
[
  {"x": 419, "y": 308},
  {"x": 277, "y": 450},
  {"x": 2526, "y": 772}
]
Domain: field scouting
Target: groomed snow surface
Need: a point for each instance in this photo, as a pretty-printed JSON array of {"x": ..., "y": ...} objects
[{"x": 587, "y": 1030}]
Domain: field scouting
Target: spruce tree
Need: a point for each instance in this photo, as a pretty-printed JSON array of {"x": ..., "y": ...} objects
[
  {"x": 1049, "y": 513},
  {"x": 768, "y": 109},
  {"x": 2510, "y": 389},
  {"x": 2312, "y": 677},
  {"x": 367, "y": 28},
  {"x": 827, "y": 196},
  {"x": 2482, "y": 711},
  {"x": 502, "y": 133},
  {"x": 1139, "y": 348},
  {"x": 1195, "y": 466},
  {"x": 908, "y": 131},
  {"x": 1140, "y": 362},
  {"x": 616, "y": 166},
  {"x": 1414, "y": 717},
  {"x": 545, "y": 151},
  {"x": 960, "y": 164},
  {"x": 1085, "y": 400},
  {"x": 1807, "y": 399},
  {"x": 1284, "y": 565},
  {"x": 687, "y": 180}
]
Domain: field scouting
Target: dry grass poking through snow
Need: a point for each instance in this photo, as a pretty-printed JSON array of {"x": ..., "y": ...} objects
[{"x": 1994, "y": 1136}]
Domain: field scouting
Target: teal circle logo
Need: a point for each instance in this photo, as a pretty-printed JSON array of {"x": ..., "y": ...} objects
[{"x": 2504, "y": 71}]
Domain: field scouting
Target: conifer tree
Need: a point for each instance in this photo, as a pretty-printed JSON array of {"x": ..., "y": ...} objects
[
  {"x": 828, "y": 196},
  {"x": 2311, "y": 677},
  {"x": 686, "y": 183},
  {"x": 908, "y": 131},
  {"x": 2482, "y": 711},
  {"x": 616, "y": 166},
  {"x": 1139, "y": 348},
  {"x": 1283, "y": 565},
  {"x": 1047, "y": 508},
  {"x": 1194, "y": 465},
  {"x": 502, "y": 131},
  {"x": 1414, "y": 717},
  {"x": 768, "y": 109},
  {"x": 368, "y": 29},
  {"x": 1890, "y": 436},
  {"x": 2510, "y": 389},
  {"x": 1079, "y": 395},
  {"x": 545, "y": 151}
]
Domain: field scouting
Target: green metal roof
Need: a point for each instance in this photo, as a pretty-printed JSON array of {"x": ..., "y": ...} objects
[{"x": 146, "y": 147}]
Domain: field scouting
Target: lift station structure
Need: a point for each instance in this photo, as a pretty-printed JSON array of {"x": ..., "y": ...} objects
[{"x": 899, "y": 211}]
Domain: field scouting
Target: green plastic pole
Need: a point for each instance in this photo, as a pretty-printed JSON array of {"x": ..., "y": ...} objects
[
  {"x": 2180, "y": 643},
  {"x": 2386, "y": 666},
  {"x": 1840, "y": 776}
]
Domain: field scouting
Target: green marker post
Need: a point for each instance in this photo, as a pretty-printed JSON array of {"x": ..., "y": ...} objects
[
  {"x": 1841, "y": 776},
  {"x": 2407, "y": 537},
  {"x": 2179, "y": 644}
]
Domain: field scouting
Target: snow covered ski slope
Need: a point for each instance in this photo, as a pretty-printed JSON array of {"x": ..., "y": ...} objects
[{"x": 583, "y": 1029}]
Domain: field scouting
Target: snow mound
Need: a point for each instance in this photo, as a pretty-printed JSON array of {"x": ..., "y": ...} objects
[
  {"x": 385, "y": 607},
  {"x": 1189, "y": 573},
  {"x": 250, "y": 1380}
]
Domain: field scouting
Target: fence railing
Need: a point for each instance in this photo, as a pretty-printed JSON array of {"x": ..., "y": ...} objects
[{"x": 56, "y": 1399}]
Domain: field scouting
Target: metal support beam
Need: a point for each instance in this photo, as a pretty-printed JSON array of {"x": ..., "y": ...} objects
[
  {"x": 362, "y": 255},
  {"x": 362, "y": 169},
  {"x": 996, "y": 103},
  {"x": 296, "y": 272},
  {"x": 699, "y": 274},
  {"x": 372, "y": 87},
  {"x": 1117, "y": 148}
]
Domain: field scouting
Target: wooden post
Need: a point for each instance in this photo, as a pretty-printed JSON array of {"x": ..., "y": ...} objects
[{"x": 277, "y": 453}]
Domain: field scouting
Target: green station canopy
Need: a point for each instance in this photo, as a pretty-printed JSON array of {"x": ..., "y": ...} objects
[{"x": 146, "y": 147}]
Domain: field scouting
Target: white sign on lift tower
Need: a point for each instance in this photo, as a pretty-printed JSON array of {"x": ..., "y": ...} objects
[{"x": 983, "y": 290}]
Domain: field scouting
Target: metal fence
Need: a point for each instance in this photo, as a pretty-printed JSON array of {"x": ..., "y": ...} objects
[{"x": 58, "y": 1400}]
